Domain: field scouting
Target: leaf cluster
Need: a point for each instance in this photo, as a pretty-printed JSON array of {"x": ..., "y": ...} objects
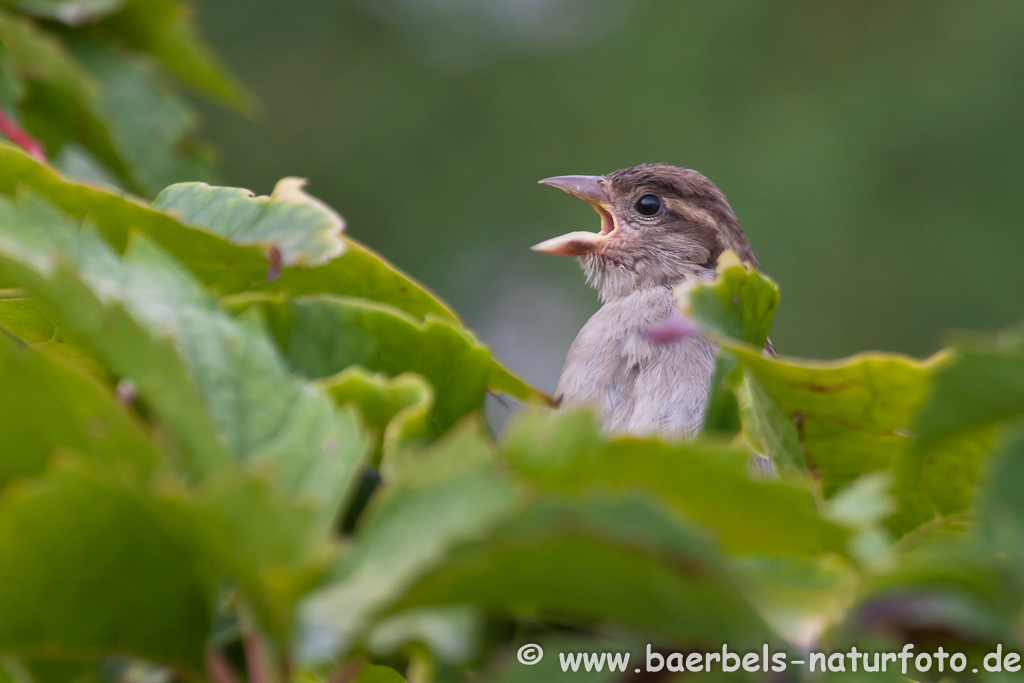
[
  {"x": 236, "y": 440},
  {"x": 94, "y": 84}
]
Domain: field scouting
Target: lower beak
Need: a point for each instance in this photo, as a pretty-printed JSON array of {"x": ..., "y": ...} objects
[{"x": 589, "y": 188}]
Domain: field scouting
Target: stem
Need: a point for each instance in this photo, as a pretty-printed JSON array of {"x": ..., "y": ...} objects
[
  {"x": 257, "y": 663},
  {"x": 219, "y": 669},
  {"x": 348, "y": 672},
  {"x": 421, "y": 668},
  {"x": 13, "y": 131}
]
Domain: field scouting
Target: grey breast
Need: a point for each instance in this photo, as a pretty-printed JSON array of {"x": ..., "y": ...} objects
[{"x": 636, "y": 386}]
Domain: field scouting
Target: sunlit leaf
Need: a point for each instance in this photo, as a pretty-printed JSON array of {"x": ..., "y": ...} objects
[
  {"x": 36, "y": 247},
  {"x": 144, "y": 305},
  {"x": 213, "y": 260},
  {"x": 217, "y": 263},
  {"x": 307, "y": 231},
  {"x": 396, "y": 411}
]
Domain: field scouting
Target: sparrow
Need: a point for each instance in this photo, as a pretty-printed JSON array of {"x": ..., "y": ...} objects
[{"x": 661, "y": 226}]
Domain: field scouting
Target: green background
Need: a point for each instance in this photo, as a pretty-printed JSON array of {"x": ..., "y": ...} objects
[{"x": 873, "y": 151}]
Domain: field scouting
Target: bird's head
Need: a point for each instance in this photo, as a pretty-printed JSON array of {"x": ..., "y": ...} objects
[{"x": 659, "y": 225}]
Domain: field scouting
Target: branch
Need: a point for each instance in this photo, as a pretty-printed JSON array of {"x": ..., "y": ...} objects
[{"x": 13, "y": 131}]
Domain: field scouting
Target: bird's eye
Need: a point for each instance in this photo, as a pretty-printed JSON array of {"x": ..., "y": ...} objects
[{"x": 648, "y": 204}]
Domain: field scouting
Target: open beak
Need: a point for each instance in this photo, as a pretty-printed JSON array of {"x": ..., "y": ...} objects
[{"x": 589, "y": 188}]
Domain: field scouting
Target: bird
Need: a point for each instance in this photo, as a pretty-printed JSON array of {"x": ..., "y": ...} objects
[{"x": 661, "y": 226}]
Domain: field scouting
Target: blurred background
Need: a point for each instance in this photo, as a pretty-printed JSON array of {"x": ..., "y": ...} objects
[{"x": 873, "y": 151}]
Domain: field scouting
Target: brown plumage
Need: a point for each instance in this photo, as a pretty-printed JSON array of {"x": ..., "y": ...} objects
[{"x": 660, "y": 225}]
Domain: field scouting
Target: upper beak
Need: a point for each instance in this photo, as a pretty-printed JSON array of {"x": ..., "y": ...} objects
[{"x": 589, "y": 188}]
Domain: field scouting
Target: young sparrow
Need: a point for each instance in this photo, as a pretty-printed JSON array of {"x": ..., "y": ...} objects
[{"x": 660, "y": 225}]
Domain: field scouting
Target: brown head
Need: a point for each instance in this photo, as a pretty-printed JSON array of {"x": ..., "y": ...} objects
[{"x": 659, "y": 225}]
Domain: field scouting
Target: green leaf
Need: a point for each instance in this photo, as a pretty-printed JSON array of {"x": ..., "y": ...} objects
[
  {"x": 85, "y": 566},
  {"x": 949, "y": 589},
  {"x": 378, "y": 674},
  {"x": 852, "y": 416},
  {"x": 307, "y": 231},
  {"x": 323, "y": 335},
  {"x": 146, "y": 304},
  {"x": 435, "y": 500},
  {"x": 768, "y": 428},
  {"x": 1001, "y": 509},
  {"x": 78, "y": 163},
  {"x": 395, "y": 411},
  {"x": 362, "y": 273},
  {"x": 12, "y": 88},
  {"x": 980, "y": 386},
  {"x": 448, "y": 531},
  {"x": 624, "y": 561},
  {"x": 58, "y": 98},
  {"x": 450, "y": 633},
  {"x": 47, "y": 407},
  {"x": 149, "y": 126},
  {"x": 707, "y": 482},
  {"x": 801, "y": 597},
  {"x": 26, "y": 318},
  {"x": 738, "y": 304},
  {"x": 54, "y": 95},
  {"x": 722, "y": 417},
  {"x": 273, "y": 547},
  {"x": 975, "y": 391},
  {"x": 219, "y": 264},
  {"x": 214, "y": 261},
  {"x": 39, "y": 56},
  {"x": 62, "y": 671},
  {"x": 32, "y": 239},
  {"x": 936, "y": 484},
  {"x": 163, "y": 28}
]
